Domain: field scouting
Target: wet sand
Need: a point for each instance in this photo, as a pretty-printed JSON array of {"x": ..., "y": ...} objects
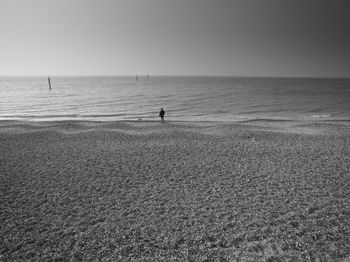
[{"x": 145, "y": 191}]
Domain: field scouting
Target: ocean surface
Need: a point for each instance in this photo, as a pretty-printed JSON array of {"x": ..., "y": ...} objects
[{"x": 183, "y": 98}]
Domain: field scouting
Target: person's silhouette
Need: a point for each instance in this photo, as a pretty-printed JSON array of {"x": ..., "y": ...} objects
[{"x": 161, "y": 115}]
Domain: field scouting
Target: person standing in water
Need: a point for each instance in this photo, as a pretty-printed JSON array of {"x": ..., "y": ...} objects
[{"x": 161, "y": 115}]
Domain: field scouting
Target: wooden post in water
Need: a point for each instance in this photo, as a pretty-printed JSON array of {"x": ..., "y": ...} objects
[
  {"x": 48, "y": 79},
  {"x": 137, "y": 78},
  {"x": 147, "y": 76}
]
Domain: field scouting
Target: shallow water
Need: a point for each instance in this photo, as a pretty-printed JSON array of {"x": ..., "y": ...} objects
[{"x": 183, "y": 98}]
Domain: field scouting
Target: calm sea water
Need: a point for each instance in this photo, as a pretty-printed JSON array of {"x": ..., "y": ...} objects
[{"x": 183, "y": 98}]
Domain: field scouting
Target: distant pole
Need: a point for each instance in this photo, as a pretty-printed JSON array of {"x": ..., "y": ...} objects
[
  {"x": 147, "y": 76},
  {"x": 136, "y": 78},
  {"x": 48, "y": 79}
]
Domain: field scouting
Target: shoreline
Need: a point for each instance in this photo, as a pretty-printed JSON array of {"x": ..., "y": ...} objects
[
  {"x": 178, "y": 119},
  {"x": 194, "y": 122},
  {"x": 272, "y": 125}
]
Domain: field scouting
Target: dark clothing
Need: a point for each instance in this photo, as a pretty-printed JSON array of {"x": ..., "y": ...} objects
[{"x": 161, "y": 114}]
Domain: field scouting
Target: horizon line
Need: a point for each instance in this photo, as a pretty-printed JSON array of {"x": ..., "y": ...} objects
[{"x": 178, "y": 75}]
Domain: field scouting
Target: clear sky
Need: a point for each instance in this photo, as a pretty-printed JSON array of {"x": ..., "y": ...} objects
[{"x": 175, "y": 37}]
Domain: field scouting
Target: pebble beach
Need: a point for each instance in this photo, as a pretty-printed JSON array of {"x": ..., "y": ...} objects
[{"x": 178, "y": 191}]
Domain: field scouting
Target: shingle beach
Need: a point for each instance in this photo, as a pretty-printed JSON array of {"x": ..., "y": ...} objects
[{"x": 178, "y": 191}]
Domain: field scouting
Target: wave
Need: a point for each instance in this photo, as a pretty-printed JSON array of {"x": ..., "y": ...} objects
[{"x": 322, "y": 116}]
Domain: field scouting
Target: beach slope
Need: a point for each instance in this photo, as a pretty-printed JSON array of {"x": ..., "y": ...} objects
[{"x": 145, "y": 191}]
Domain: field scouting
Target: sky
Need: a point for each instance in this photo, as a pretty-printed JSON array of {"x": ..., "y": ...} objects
[{"x": 285, "y": 38}]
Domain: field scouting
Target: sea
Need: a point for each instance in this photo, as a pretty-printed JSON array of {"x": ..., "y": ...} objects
[{"x": 184, "y": 98}]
